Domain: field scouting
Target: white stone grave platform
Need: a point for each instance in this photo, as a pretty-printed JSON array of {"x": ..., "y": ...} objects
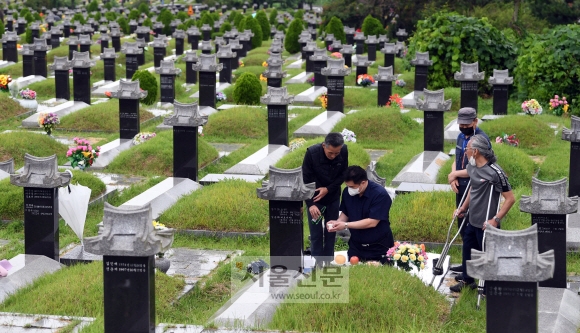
[
  {"x": 60, "y": 110},
  {"x": 409, "y": 100},
  {"x": 295, "y": 64},
  {"x": 310, "y": 95},
  {"x": 54, "y": 102},
  {"x": 41, "y": 323},
  {"x": 109, "y": 151},
  {"x": 451, "y": 131},
  {"x": 4, "y": 63},
  {"x": 259, "y": 162},
  {"x": 231, "y": 106},
  {"x": 492, "y": 117},
  {"x": 573, "y": 231},
  {"x": 112, "y": 86},
  {"x": 300, "y": 78},
  {"x": 320, "y": 125},
  {"x": 25, "y": 269},
  {"x": 28, "y": 80},
  {"x": 219, "y": 86},
  {"x": 215, "y": 177},
  {"x": 4, "y": 174},
  {"x": 405, "y": 187},
  {"x": 101, "y": 83},
  {"x": 422, "y": 168},
  {"x": 558, "y": 310}
]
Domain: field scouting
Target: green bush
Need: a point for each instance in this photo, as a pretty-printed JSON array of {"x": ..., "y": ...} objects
[
  {"x": 372, "y": 26},
  {"x": 241, "y": 26},
  {"x": 451, "y": 38},
  {"x": 252, "y": 24},
  {"x": 134, "y": 14},
  {"x": 165, "y": 17},
  {"x": 336, "y": 28},
  {"x": 29, "y": 18},
  {"x": 549, "y": 65},
  {"x": 500, "y": 15},
  {"x": 264, "y": 24},
  {"x": 24, "y": 11},
  {"x": 79, "y": 17},
  {"x": 124, "y": 25},
  {"x": 148, "y": 83},
  {"x": 555, "y": 11},
  {"x": 144, "y": 9},
  {"x": 207, "y": 19},
  {"x": 226, "y": 26},
  {"x": 282, "y": 28},
  {"x": 248, "y": 89},
  {"x": 111, "y": 16},
  {"x": 1, "y": 28},
  {"x": 291, "y": 43},
  {"x": 182, "y": 16},
  {"x": 28, "y": 36},
  {"x": 273, "y": 17},
  {"x": 93, "y": 6},
  {"x": 147, "y": 23}
]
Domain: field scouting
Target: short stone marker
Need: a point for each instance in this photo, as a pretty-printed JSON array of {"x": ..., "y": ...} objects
[
  {"x": 468, "y": 76},
  {"x": 335, "y": 73},
  {"x": 81, "y": 65},
  {"x": 129, "y": 95},
  {"x": 501, "y": 82},
  {"x": 511, "y": 267},
  {"x": 372, "y": 43},
  {"x": 109, "y": 57},
  {"x": 384, "y": 80},
  {"x": 573, "y": 136},
  {"x": 41, "y": 180},
  {"x": 167, "y": 72},
  {"x": 61, "y": 67}
]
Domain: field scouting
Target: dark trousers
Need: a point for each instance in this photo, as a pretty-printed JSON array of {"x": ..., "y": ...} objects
[
  {"x": 371, "y": 252},
  {"x": 458, "y": 196},
  {"x": 322, "y": 241},
  {"x": 472, "y": 239}
]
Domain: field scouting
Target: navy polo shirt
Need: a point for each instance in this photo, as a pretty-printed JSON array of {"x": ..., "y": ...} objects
[
  {"x": 375, "y": 203},
  {"x": 460, "y": 158}
]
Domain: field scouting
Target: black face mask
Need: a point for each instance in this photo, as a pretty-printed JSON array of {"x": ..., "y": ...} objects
[{"x": 467, "y": 130}]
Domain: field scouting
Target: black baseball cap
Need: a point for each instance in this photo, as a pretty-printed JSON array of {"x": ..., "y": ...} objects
[{"x": 466, "y": 116}]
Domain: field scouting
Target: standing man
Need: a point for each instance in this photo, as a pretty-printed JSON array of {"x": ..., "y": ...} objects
[
  {"x": 365, "y": 212},
  {"x": 325, "y": 164},
  {"x": 458, "y": 178},
  {"x": 488, "y": 184}
]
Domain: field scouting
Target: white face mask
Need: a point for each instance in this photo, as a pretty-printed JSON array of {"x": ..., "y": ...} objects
[
  {"x": 472, "y": 161},
  {"x": 353, "y": 191}
]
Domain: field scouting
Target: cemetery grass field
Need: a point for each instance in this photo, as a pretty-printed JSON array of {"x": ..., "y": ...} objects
[{"x": 381, "y": 299}]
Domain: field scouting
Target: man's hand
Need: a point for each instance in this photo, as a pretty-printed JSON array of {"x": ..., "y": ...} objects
[
  {"x": 490, "y": 222},
  {"x": 314, "y": 212},
  {"x": 322, "y": 191},
  {"x": 459, "y": 213},
  {"x": 451, "y": 177},
  {"x": 455, "y": 186}
]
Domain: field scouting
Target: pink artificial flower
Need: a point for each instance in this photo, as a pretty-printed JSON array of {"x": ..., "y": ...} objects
[
  {"x": 561, "y": 102},
  {"x": 498, "y": 140},
  {"x": 556, "y": 96}
]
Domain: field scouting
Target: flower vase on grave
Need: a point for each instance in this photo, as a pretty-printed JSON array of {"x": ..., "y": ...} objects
[{"x": 161, "y": 263}]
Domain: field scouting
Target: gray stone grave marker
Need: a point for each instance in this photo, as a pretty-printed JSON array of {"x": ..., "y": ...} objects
[
  {"x": 372, "y": 43},
  {"x": 116, "y": 38},
  {"x": 206, "y": 32},
  {"x": 335, "y": 73},
  {"x": 207, "y": 67},
  {"x": 132, "y": 52},
  {"x": 61, "y": 67},
  {"x": 225, "y": 56},
  {"x": 129, "y": 95},
  {"x": 85, "y": 43},
  {"x": 349, "y": 32},
  {"x": 206, "y": 47},
  {"x": 190, "y": 75},
  {"x": 347, "y": 52},
  {"x": 159, "y": 50},
  {"x": 81, "y": 64},
  {"x": 179, "y": 36},
  {"x": 328, "y": 40},
  {"x": 384, "y": 80},
  {"x": 27, "y": 60},
  {"x": 73, "y": 46},
  {"x": 433, "y": 104},
  {"x": 468, "y": 76},
  {"x": 501, "y": 82},
  {"x": 359, "y": 39},
  {"x": 319, "y": 60},
  {"x": 277, "y": 100},
  {"x": 167, "y": 72},
  {"x": 422, "y": 64},
  {"x": 9, "y": 41},
  {"x": 193, "y": 34}
]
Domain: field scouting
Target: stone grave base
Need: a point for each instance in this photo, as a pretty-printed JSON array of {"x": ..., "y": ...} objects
[
  {"x": 320, "y": 125},
  {"x": 310, "y": 95},
  {"x": 111, "y": 86},
  {"x": 259, "y": 162},
  {"x": 35, "y": 323},
  {"x": 109, "y": 151},
  {"x": 4, "y": 174},
  {"x": 492, "y": 117},
  {"x": 101, "y": 83},
  {"x": 409, "y": 99},
  {"x": 231, "y": 106},
  {"x": 451, "y": 131},
  {"x": 25, "y": 269},
  {"x": 219, "y": 86},
  {"x": 422, "y": 168},
  {"x": 27, "y": 80},
  {"x": 54, "y": 102},
  {"x": 573, "y": 232},
  {"x": 300, "y": 78},
  {"x": 61, "y": 110},
  {"x": 4, "y": 63},
  {"x": 296, "y": 64},
  {"x": 558, "y": 310},
  {"x": 215, "y": 177},
  {"x": 405, "y": 187},
  {"x": 77, "y": 255}
]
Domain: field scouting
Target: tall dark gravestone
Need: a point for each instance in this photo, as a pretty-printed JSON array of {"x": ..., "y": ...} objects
[
  {"x": 500, "y": 82},
  {"x": 179, "y": 36},
  {"x": 328, "y": 40},
  {"x": 401, "y": 35},
  {"x": 312, "y": 32},
  {"x": 105, "y": 40},
  {"x": 9, "y": 46},
  {"x": 109, "y": 57},
  {"x": 336, "y": 46},
  {"x": 133, "y": 26},
  {"x": 573, "y": 136},
  {"x": 349, "y": 33},
  {"x": 41, "y": 181},
  {"x": 144, "y": 32},
  {"x": 158, "y": 28},
  {"x": 85, "y": 43},
  {"x": 206, "y": 32},
  {"x": 372, "y": 43},
  {"x": 190, "y": 58},
  {"x": 61, "y": 67},
  {"x": 273, "y": 72},
  {"x": 142, "y": 44},
  {"x": 236, "y": 48},
  {"x": 116, "y": 38},
  {"x": 40, "y": 49},
  {"x": 128, "y": 243},
  {"x": 384, "y": 79},
  {"x": 167, "y": 72},
  {"x": 549, "y": 205},
  {"x": 87, "y": 29},
  {"x": 129, "y": 95},
  {"x": 308, "y": 52},
  {"x": 159, "y": 50},
  {"x": 185, "y": 121},
  {"x": 286, "y": 216},
  {"x": 335, "y": 73},
  {"x": 319, "y": 59},
  {"x": 193, "y": 37},
  {"x": 35, "y": 29},
  {"x": 468, "y": 76},
  {"x": 66, "y": 28},
  {"x": 359, "y": 39},
  {"x": 10, "y": 23},
  {"x": 277, "y": 100},
  {"x": 347, "y": 52},
  {"x": 216, "y": 26},
  {"x": 27, "y": 60},
  {"x": 389, "y": 50},
  {"x": 433, "y": 104},
  {"x": 511, "y": 294},
  {"x": 303, "y": 40},
  {"x": 382, "y": 40},
  {"x": 73, "y": 46},
  {"x": 81, "y": 64},
  {"x": 206, "y": 47},
  {"x": 246, "y": 41},
  {"x": 55, "y": 34},
  {"x": 362, "y": 66},
  {"x": 225, "y": 57},
  {"x": 131, "y": 51},
  {"x": 421, "y": 63},
  {"x": 207, "y": 67},
  {"x": 21, "y": 25}
]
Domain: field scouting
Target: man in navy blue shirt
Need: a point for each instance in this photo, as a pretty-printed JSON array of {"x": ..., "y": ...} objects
[{"x": 365, "y": 212}]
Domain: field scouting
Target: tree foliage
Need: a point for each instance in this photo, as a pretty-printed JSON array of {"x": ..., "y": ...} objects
[
  {"x": 291, "y": 43},
  {"x": 252, "y": 24},
  {"x": 336, "y": 28},
  {"x": 248, "y": 89},
  {"x": 273, "y": 17},
  {"x": 264, "y": 24},
  {"x": 372, "y": 26},
  {"x": 556, "y": 11},
  {"x": 147, "y": 82}
]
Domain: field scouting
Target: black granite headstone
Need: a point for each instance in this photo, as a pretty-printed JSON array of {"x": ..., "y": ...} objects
[
  {"x": 552, "y": 235},
  {"x": 62, "y": 84},
  {"x": 185, "y": 162},
  {"x": 86, "y": 48},
  {"x": 500, "y": 99},
  {"x": 116, "y": 43},
  {"x": 574, "y": 175},
  {"x": 226, "y": 72},
  {"x": 71, "y": 50},
  {"x": 385, "y": 91},
  {"x": 10, "y": 25},
  {"x": 28, "y": 65},
  {"x": 82, "y": 85},
  {"x": 158, "y": 55},
  {"x": 335, "y": 93},
  {"x": 511, "y": 307},
  {"x": 131, "y": 64},
  {"x": 360, "y": 46},
  {"x": 194, "y": 41},
  {"x": 129, "y": 124},
  {"x": 372, "y": 52},
  {"x": 347, "y": 60},
  {"x": 35, "y": 33},
  {"x": 66, "y": 31},
  {"x": 168, "y": 88},
  {"x": 319, "y": 79},
  {"x": 278, "y": 125},
  {"x": 390, "y": 60},
  {"x": 206, "y": 35},
  {"x": 129, "y": 294},
  {"x": 236, "y": 61},
  {"x": 145, "y": 36},
  {"x": 55, "y": 41},
  {"x": 286, "y": 234},
  {"x": 190, "y": 74},
  {"x": 41, "y": 222},
  {"x": 21, "y": 28},
  {"x": 421, "y": 73},
  {"x": 40, "y": 63},
  {"x": 433, "y": 131},
  {"x": 349, "y": 39},
  {"x": 469, "y": 94},
  {"x": 178, "y": 46},
  {"x": 309, "y": 63},
  {"x": 104, "y": 45},
  {"x": 11, "y": 51},
  {"x": 110, "y": 69},
  {"x": 207, "y": 90},
  {"x": 4, "y": 55},
  {"x": 274, "y": 82}
]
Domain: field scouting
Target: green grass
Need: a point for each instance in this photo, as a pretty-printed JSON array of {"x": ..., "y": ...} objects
[
  {"x": 10, "y": 108},
  {"x": 16, "y": 144},
  {"x": 356, "y": 155},
  {"x": 206, "y": 209},
  {"x": 155, "y": 157},
  {"x": 389, "y": 165},
  {"x": 239, "y": 124}
]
